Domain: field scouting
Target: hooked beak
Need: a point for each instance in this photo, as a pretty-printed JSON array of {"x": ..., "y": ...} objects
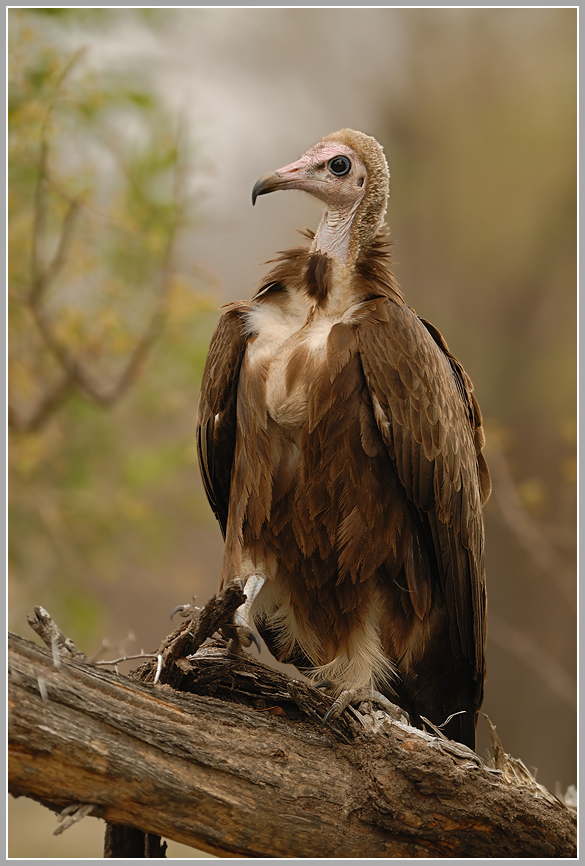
[
  {"x": 267, "y": 183},
  {"x": 293, "y": 176}
]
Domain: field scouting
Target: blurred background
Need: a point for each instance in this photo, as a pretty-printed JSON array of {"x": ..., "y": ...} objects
[{"x": 135, "y": 137}]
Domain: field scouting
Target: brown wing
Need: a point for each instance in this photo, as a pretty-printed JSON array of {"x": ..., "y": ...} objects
[
  {"x": 216, "y": 422},
  {"x": 431, "y": 424}
]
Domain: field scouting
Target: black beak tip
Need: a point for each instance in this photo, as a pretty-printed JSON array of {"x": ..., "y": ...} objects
[
  {"x": 266, "y": 184},
  {"x": 259, "y": 189}
]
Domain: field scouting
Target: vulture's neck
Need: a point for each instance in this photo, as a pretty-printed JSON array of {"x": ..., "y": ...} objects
[
  {"x": 334, "y": 235},
  {"x": 343, "y": 236}
]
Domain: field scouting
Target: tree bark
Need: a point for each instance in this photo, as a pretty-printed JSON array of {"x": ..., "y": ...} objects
[{"x": 244, "y": 767}]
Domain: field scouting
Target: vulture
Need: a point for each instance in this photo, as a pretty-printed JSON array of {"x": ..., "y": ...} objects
[{"x": 340, "y": 445}]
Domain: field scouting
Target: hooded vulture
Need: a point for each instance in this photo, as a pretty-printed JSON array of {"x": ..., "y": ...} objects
[{"x": 340, "y": 447}]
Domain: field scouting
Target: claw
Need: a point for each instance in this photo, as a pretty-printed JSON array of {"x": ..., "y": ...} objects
[
  {"x": 255, "y": 639},
  {"x": 356, "y": 696},
  {"x": 182, "y": 607},
  {"x": 239, "y": 637},
  {"x": 328, "y": 715}
]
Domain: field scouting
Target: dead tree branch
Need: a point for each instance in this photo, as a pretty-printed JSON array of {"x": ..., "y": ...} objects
[
  {"x": 75, "y": 373},
  {"x": 232, "y": 759}
]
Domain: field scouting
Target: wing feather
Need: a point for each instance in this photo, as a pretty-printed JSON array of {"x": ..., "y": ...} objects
[
  {"x": 216, "y": 422},
  {"x": 431, "y": 424}
]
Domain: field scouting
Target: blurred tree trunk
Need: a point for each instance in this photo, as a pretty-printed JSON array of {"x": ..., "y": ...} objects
[{"x": 255, "y": 774}]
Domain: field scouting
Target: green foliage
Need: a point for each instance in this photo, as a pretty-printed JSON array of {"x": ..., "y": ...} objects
[
  {"x": 96, "y": 200},
  {"x": 94, "y": 168}
]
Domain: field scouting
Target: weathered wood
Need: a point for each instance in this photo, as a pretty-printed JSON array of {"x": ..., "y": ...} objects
[
  {"x": 127, "y": 842},
  {"x": 266, "y": 780}
]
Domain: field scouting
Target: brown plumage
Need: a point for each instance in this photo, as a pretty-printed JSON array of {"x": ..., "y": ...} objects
[{"x": 340, "y": 447}]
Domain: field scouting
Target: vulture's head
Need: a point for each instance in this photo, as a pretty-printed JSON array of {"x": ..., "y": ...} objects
[{"x": 348, "y": 172}]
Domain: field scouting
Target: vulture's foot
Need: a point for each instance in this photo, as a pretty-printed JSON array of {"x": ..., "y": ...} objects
[
  {"x": 366, "y": 700},
  {"x": 186, "y": 611},
  {"x": 239, "y": 634}
]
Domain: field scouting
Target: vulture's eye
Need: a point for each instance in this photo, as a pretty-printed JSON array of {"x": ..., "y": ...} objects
[{"x": 339, "y": 166}]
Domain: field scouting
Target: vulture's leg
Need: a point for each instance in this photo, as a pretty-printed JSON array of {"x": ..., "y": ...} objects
[
  {"x": 240, "y": 634},
  {"x": 357, "y": 696}
]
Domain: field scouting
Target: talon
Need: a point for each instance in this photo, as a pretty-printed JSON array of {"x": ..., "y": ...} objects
[
  {"x": 323, "y": 684},
  {"x": 341, "y": 702},
  {"x": 244, "y": 636},
  {"x": 350, "y": 697},
  {"x": 240, "y": 636},
  {"x": 180, "y": 607},
  {"x": 394, "y": 711},
  {"x": 328, "y": 715}
]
